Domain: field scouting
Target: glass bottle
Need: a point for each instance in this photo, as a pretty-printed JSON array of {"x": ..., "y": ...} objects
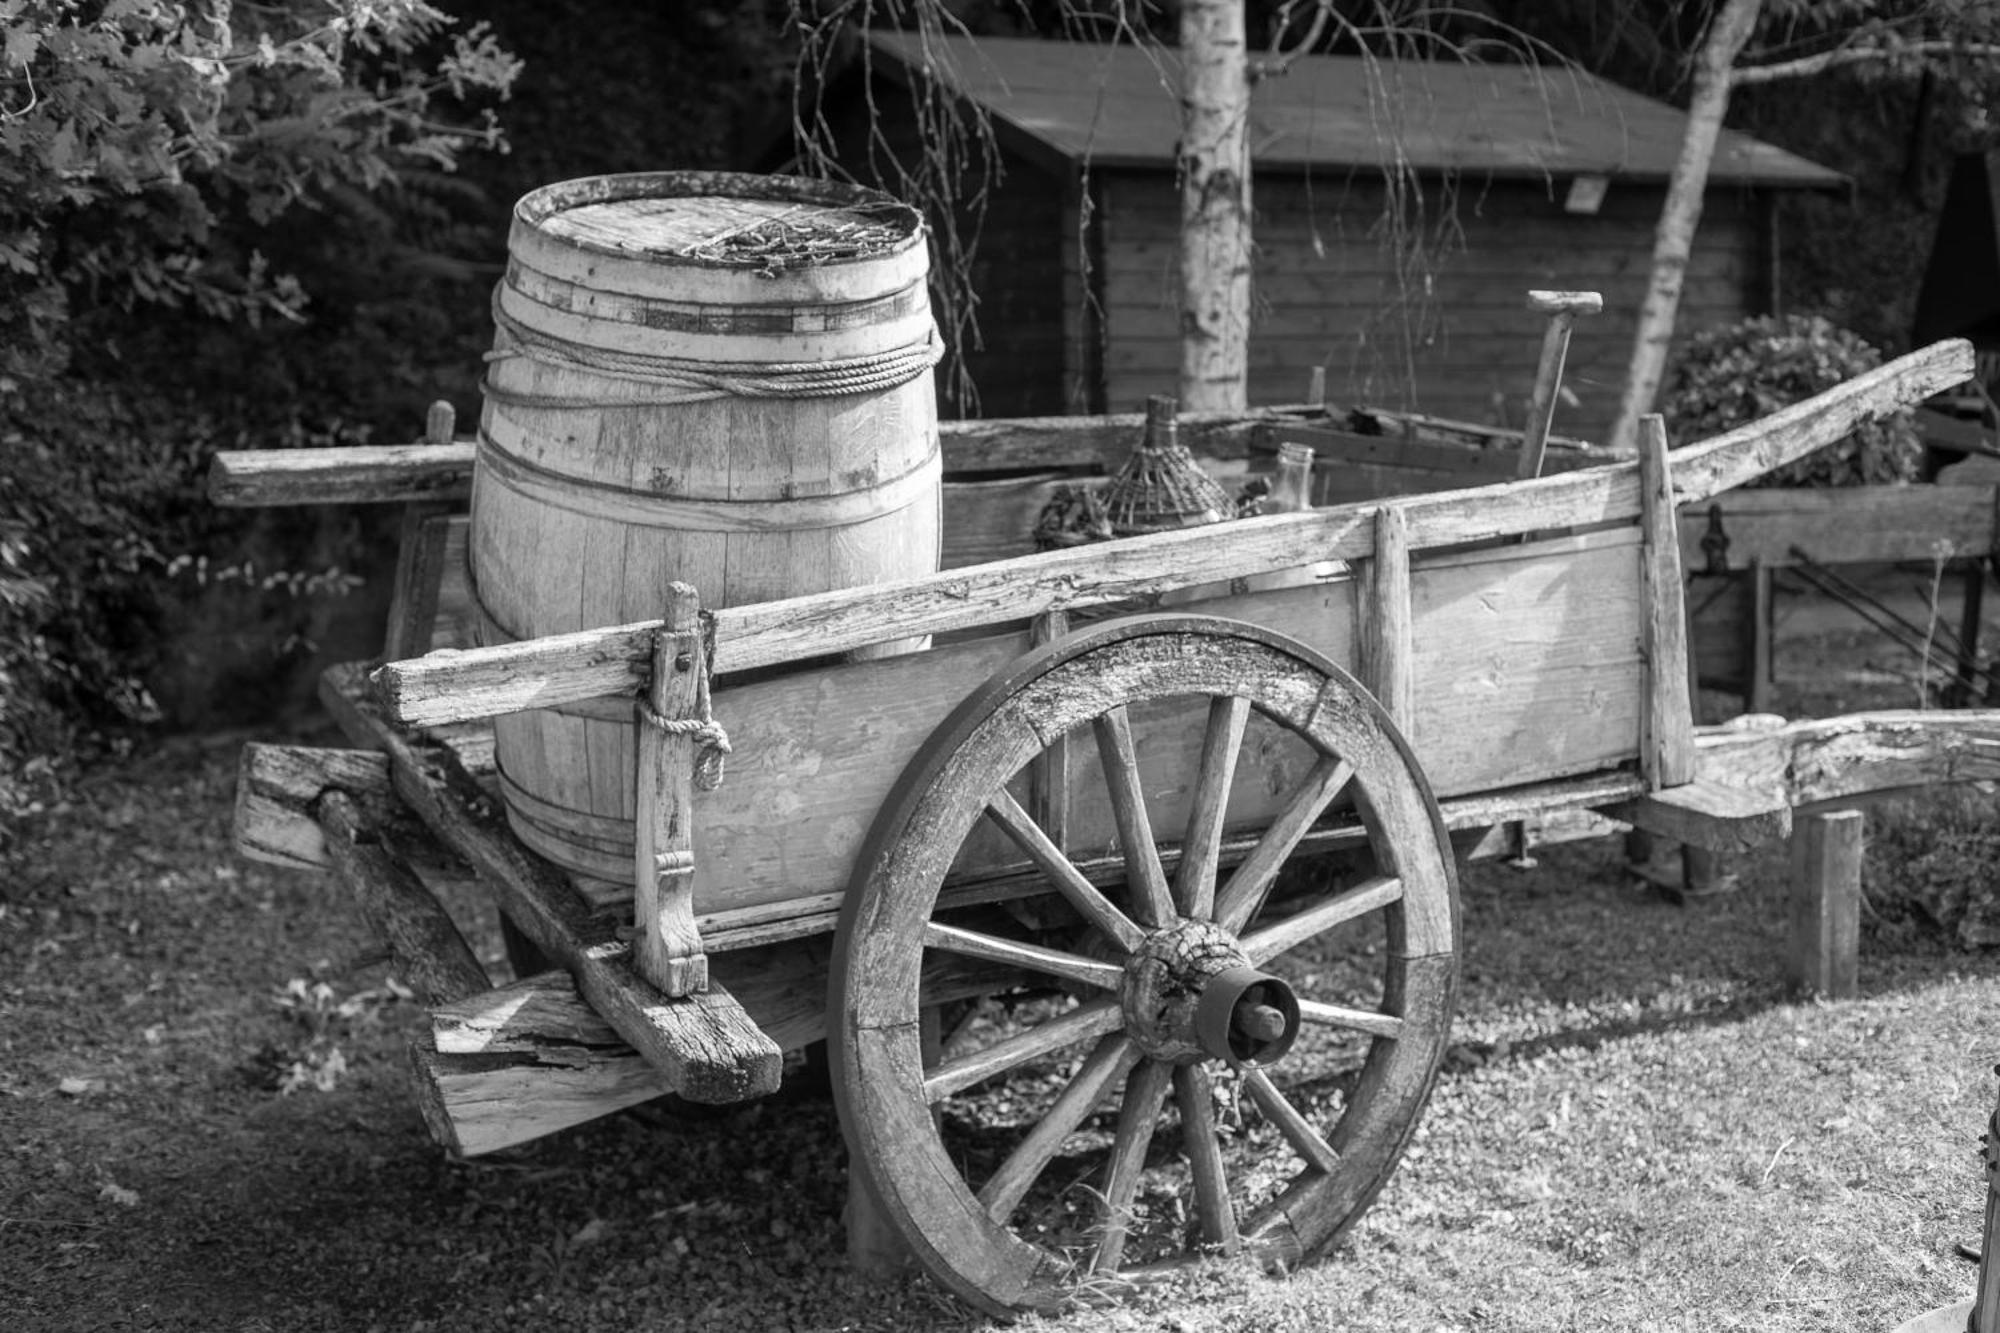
[{"x": 1291, "y": 489}]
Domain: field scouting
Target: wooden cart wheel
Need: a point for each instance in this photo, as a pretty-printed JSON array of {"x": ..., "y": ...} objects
[{"x": 1161, "y": 1113}]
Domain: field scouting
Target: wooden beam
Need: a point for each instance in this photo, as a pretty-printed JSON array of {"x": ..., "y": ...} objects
[
  {"x": 570, "y": 668},
  {"x": 1826, "y": 904},
  {"x": 276, "y": 787},
  {"x": 429, "y": 954},
  {"x": 1830, "y": 759},
  {"x": 708, "y": 1049},
  {"x": 406, "y": 473}
]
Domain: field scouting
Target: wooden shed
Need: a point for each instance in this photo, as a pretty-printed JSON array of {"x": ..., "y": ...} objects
[{"x": 1523, "y": 178}]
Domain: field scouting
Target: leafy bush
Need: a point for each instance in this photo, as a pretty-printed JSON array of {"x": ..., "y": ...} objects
[
  {"x": 159, "y": 300},
  {"x": 1726, "y": 377},
  {"x": 147, "y": 140},
  {"x": 1935, "y": 858}
]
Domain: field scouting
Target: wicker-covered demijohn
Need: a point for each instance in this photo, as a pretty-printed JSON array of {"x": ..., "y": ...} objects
[{"x": 1160, "y": 488}]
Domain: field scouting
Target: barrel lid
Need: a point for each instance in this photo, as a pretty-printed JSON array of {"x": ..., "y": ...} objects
[{"x": 764, "y": 224}]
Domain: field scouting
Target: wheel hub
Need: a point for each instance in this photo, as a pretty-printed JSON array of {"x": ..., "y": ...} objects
[{"x": 1190, "y": 995}]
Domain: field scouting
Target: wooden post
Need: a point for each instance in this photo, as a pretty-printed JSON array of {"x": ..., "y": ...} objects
[
  {"x": 1757, "y": 690},
  {"x": 1962, "y": 687},
  {"x": 1048, "y": 772},
  {"x": 667, "y": 950},
  {"x": 420, "y": 544},
  {"x": 1386, "y": 618},
  {"x": 1826, "y": 903},
  {"x": 1666, "y": 736}
]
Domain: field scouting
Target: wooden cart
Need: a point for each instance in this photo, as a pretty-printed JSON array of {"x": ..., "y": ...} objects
[{"x": 1084, "y": 812}]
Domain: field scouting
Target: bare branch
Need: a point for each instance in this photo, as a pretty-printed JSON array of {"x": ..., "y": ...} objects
[{"x": 1744, "y": 76}]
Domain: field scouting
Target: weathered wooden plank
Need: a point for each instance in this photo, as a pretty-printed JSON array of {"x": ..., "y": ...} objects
[
  {"x": 1710, "y": 814},
  {"x": 574, "y": 667},
  {"x": 359, "y": 474},
  {"x": 428, "y": 952},
  {"x": 705, "y": 1045},
  {"x": 1826, "y": 904},
  {"x": 276, "y": 786}
]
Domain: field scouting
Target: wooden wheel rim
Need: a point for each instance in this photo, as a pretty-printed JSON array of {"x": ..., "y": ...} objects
[{"x": 879, "y": 1075}]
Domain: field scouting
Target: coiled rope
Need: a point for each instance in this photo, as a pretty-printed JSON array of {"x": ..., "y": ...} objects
[{"x": 684, "y": 381}]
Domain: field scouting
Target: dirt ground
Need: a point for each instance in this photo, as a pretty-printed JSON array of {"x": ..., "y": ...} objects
[{"x": 205, "y": 1125}]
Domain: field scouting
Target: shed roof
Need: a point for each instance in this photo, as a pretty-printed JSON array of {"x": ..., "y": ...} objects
[{"x": 1115, "y": 106}]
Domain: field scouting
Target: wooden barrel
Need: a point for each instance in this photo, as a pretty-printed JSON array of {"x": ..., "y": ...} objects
[{"x": 720, "y": 379}]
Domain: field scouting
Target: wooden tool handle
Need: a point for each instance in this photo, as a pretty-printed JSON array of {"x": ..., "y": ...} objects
[{"x": 1566, "y": 303}]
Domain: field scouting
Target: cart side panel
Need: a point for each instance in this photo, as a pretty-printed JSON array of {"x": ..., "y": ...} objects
[{"x": 1527, "y": 668}]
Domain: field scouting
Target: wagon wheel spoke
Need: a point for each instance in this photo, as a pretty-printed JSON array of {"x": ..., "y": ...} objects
[
  {"x": 1306, "y": 1141},
  {"x": 1099, "y": 910},
  {"x": 1094, "y": 1019},
  {"x": 1145, "y": 1094},
  {"x": 1017, "y": 953},
  {"x": 1111, "y": 1061},
  {"x": 1144, "y": 875},
  {"x": 1356, "y": 1020},
  {"x": 1368, "y": 896},
  {"x": 1194, "y": 879},
  {"x": 1247, "y": 887},
  {"x": 1195, "y": 1093}
]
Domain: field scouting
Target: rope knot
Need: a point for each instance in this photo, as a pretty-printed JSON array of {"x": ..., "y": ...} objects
[{"x": 708, "y": 734}]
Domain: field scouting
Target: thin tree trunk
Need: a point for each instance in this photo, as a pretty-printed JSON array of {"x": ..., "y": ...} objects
[
  {"x": 1674, "y": 237},
  {"x": 1215, "y": 206}
]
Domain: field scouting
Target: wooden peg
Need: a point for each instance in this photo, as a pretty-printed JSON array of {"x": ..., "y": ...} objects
[{"x": 667, "y": 947}]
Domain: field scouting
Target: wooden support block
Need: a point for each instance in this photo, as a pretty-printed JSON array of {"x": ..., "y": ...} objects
[
  {"x": 276, "y": 786},
  {"x": 1666, "y": 739},
  {"x": 708, "y": 1049},
  {"x": 1708, "y": 814},
  {"x": 667, "y": 948},
  {"x": 429, "y": 954},
  {"x": 1826, "y": 903},
  {"x": 1386, "y": 619}
]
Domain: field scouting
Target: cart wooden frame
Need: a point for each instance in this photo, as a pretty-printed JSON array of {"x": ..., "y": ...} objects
[{"x": 1412, "y": 670}]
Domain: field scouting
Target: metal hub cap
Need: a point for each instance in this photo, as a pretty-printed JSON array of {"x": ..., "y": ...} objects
[{"x": 1190, "y": 995}]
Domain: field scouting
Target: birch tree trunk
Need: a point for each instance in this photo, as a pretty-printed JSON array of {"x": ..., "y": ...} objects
[
  {"x": 1674, "y": 237},
  {"x": 1215, "y": 207}
]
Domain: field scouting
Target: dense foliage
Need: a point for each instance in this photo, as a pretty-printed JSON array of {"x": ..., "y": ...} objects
[
  {"x": 158, "y": 300},
  {"x": 1730, "y": 376}
]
